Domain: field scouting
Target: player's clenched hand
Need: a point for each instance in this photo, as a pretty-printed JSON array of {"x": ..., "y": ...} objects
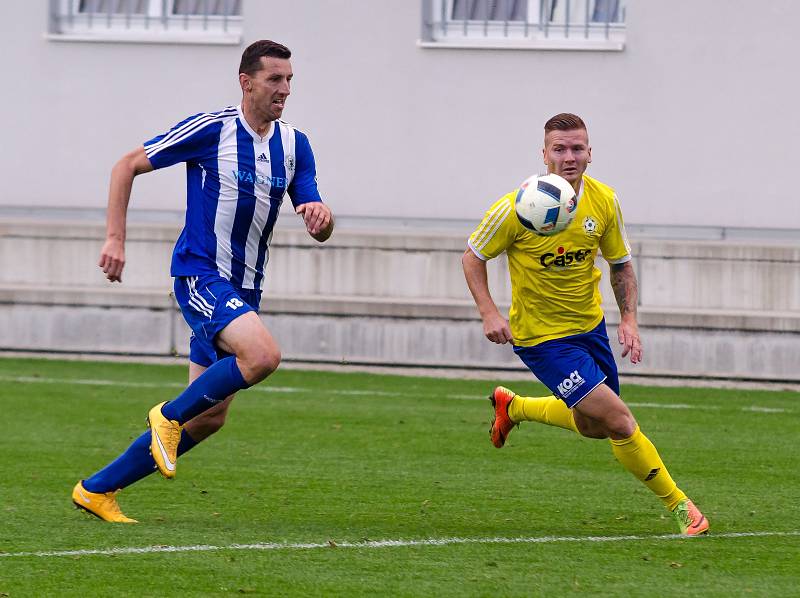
[
  {"x": 112, "y": 259},
  {"x": 628, "y": 334},
  {"x": 496, "y": 329},
  {"x": 316, "y": 216}
]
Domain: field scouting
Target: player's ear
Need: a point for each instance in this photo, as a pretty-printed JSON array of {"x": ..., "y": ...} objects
[{"x": 244, "y": 82}]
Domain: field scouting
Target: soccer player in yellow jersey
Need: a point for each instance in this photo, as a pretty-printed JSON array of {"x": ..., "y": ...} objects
[{"x": 556, "y": 325}]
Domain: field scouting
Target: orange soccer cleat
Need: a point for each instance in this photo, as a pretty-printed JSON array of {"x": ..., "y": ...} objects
[
  {"x": 501, "y": 398},
  {"x": 691, "y": 521}
]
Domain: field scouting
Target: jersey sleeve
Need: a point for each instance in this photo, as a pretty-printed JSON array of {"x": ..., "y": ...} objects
[
  {"x": 303, "y": 188},
  {"x": 614, "y": 242},
  {"x": 497, "y": 230},
  {"x": 186, "y": 141}
]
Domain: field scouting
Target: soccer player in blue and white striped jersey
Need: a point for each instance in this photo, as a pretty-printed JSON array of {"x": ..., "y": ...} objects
[{"x": 240, "y": 162}]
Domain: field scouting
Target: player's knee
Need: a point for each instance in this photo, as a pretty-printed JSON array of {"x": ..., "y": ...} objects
[
  {"x": 260, "y": 363},
  {"x": 622, "y": 425}
]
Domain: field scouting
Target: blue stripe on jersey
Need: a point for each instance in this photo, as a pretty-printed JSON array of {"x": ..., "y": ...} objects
[
  {"x": 197, "y": 239},
  {"x": 278, "y": 166},
  {"x": 246, "y": 204},
  {"x": 210, "y": 193},
  {"x": 303, "y": 187}
]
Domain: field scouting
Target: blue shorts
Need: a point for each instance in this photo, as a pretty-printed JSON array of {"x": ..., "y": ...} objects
[
  {"x": 573, "y": 366},
  {"x": 209, "y": 303}
]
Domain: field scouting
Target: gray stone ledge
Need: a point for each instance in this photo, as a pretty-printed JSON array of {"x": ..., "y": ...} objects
[{"x": 380, "y": 307}]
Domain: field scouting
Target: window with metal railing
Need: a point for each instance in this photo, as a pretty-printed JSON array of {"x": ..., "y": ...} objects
[
  {"x": 147, "y": 21},
  {"x": 534, "y": 24}
]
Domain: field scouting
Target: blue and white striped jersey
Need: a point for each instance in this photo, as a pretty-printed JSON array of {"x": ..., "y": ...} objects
[{"x": 235, "y": 183}]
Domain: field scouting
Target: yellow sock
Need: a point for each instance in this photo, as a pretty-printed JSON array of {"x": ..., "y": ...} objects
[
  {"x": 638, "y": 455},
  {"x": 546, "y": 410}
]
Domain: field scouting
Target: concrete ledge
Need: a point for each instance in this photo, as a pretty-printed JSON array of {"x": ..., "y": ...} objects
[
  {"x": 708, "y": 308},
  {"x": 413, "y": 333},
  {"x": 381, "y": 307},
  {"x": 699, "y": 320}
]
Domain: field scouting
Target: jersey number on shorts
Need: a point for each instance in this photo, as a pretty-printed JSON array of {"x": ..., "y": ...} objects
[{"x": 234, "y": 303}]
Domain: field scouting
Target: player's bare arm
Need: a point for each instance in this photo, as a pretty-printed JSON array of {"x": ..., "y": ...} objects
[
  {"x": 112, "y": 255},
  {"x": 495, "y": 326},
  {"x": 626, "y": 291},
  {"x": 318, "y": 219}
]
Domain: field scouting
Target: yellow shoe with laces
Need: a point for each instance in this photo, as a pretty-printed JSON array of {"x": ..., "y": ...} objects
[
  {"x": 165, "y": 435},
  {"x": 103, "y": 506}
]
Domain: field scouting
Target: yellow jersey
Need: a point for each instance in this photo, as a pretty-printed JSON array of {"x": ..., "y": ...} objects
[{"x": 555, "y": 286}]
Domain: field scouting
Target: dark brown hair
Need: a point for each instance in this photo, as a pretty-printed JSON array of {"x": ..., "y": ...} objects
[
  {"x": 564, "y": 122},
  {"x": 251, "y": 57}
]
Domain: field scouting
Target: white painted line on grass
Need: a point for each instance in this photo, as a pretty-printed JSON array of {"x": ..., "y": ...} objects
[
  {"x": 178, "y": 385},
  {"x": 758, "y": 409},
  {"x": 344, "y": 392},
  {"x": 382, "y": 544},
  {"x": 669, "y": 405}
]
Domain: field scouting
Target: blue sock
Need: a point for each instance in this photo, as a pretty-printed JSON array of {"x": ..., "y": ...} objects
[
  {"x": 220, "y": 380},
  {"x": 132, "y": 465}
]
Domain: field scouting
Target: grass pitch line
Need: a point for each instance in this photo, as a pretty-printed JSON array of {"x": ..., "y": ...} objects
[
  {"x": 295, "y": 389},
  {"x": 177, "y": 385},
  {"x": 381, "y": 544}
]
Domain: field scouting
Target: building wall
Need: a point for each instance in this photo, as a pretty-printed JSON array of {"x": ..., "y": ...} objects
[{"x": 693, "y": 123}]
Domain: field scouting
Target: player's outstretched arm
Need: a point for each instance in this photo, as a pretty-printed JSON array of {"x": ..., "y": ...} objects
[
  {"x": 318, "y": 219},
  {"x": 626, "y": 291},
  {"x": 495, "y": 326},
  {"x": 112, "y": 255}
]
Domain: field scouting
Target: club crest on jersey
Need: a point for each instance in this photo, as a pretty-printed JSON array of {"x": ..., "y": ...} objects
[
  {"x": 590, "y": 226},
  {"x": 289, "y": 163}
]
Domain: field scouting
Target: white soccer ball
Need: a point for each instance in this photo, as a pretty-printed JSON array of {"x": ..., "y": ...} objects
[{"x": 546, "y": 204}]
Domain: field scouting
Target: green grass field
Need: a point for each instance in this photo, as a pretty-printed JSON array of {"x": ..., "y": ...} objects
[{"x": 323, "y": 471}]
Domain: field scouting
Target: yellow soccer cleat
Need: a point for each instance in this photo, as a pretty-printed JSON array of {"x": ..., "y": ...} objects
[
  {"x": 165, "y": 435},
  {"x": 691, "y": 521},
  {"x": 104, "y": 506}
]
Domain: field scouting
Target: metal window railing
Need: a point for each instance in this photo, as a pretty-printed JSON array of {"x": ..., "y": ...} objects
[
  {"x": 215, "y": 21},
  {"x": 581, "y": 24}
]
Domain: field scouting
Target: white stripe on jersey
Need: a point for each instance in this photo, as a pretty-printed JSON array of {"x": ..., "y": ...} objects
[
  {"x": 227, "y": 159},
  {"x": 263, "y": 203},
  {"x": 496, "y": 217},
  {"x": 289, "y": 141},
  {"x": 188, "y": 129},
  {"x": 621, "y": 227}
]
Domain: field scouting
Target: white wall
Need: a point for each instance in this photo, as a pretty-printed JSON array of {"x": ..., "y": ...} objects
[{"x": 694, "y": 123}]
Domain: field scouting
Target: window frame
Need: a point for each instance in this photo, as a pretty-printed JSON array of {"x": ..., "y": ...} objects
[
  {"x": 157, "y": 25},
  {"x": 440, "y": 30}
]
